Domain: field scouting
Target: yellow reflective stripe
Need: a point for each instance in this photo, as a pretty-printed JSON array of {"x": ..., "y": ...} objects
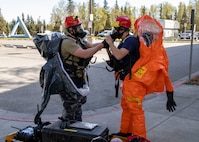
[{"x": 135, "y": 100}]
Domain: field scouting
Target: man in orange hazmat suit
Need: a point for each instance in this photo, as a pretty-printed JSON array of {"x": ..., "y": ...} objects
[{"x": 149, "y": 74}]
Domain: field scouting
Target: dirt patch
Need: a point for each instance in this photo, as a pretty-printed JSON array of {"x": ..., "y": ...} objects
[{"x": 193, "y": 81}]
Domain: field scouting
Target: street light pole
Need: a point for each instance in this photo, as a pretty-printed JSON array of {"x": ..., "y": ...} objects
[{"x": 90, "y": 25}]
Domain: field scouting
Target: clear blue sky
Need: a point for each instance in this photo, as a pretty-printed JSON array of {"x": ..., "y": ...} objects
[{"x": 42, "y": 9}]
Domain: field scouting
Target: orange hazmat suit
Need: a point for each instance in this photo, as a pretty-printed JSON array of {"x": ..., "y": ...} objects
[{"x": 149, "y": 74}]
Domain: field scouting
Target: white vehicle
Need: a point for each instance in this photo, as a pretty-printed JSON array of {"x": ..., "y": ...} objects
[{"x": 187, "y": 35}]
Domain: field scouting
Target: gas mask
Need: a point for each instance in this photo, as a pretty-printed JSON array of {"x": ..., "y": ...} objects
[
  {"x": 118, "y": 32},
  {"x": 148, "y": 37},
  {"x": 79, "y": 31}
]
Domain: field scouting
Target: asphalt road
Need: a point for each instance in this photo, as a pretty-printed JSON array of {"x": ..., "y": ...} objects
[
  {"x": 180, "y": 60},
  {"x": 19, "y": 73}
]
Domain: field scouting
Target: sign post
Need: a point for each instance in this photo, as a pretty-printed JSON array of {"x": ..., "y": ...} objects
[{"x": 192, "y": 28}]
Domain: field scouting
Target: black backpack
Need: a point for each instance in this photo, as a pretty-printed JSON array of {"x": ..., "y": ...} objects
[{"x": 120, "y": 66}]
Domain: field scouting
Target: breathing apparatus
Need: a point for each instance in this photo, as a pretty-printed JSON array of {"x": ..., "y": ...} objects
[
  {"x": 122, "y": 24},
  {"x": 74, "y": 26}
]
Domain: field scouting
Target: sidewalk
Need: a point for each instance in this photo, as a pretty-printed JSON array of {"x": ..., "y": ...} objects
[{"x": 162, "y": 126}]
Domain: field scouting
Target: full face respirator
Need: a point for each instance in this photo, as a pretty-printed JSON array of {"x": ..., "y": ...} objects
[
  {"x": 79, "y": 31},
  {"x": 118, "y": 32}
]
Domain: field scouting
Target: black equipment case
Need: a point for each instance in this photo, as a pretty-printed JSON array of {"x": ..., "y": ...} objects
[{"x": 53, "y": 133}]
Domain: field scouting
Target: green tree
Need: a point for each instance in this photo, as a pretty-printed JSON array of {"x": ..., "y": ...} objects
[
  {"x": 115, "y": 12},
  {"x": 32, "y": 28},
  {"x": 107, "y": 13},
  {"x": 188, "y": 13},
  {"x": 100, "y": 20},
  {"x": 7, "y": 29},
  {"x": 167, "y": 11},
  {"x": 2, "y": 24},
  {"x": 70, "y": 7},
  {"x": 180, "y": 11},
  {"x": 38, "y": 25},
  {"x": 182, "y": 15},
  {"x": 195, "y": 6},
  {"x": 134, "y": 12},
  {"x": 83, "y": 16},
  {"x": 58, "y": 15},
  {"x": 143, "y": 10},
  {"x": 153, "y": 11},
  {"x": 27, "y": 23}
]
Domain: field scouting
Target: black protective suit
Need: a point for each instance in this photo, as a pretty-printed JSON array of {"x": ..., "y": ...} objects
[{"x": 53, "y": 77}]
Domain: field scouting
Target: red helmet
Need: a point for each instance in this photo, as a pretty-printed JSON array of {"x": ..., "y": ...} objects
[
  {"x": 124, "y": 21},
  {"x": 71, "y": 21}
]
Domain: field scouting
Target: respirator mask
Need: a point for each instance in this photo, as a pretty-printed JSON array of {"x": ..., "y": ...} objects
[
  {"x": 79, "y": 31},
  {"x": 118, "y": 32}
]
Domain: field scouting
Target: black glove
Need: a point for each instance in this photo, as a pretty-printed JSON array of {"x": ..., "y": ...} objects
[
  {"x": 105, "y": 44},
  {"x": 171, "y": 104}
]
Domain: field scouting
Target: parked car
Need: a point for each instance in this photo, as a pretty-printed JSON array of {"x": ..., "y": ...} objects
[
  {"x": 196, "y": 35},
  {"x": 188, "y": 35},
  {"x": 3, "y": 36},
  {"x": 104, "y": 33}
]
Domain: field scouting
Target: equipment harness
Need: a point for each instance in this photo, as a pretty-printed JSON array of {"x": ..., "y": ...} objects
[{"x": 121, "y": 67}]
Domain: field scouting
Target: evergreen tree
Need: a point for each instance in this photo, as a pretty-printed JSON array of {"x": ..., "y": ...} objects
[
  {"x": 153, "y": 11},
  {"x": 167, "y": 11},
  {"x": 143, "y": 10},
  {"x": 70, "y": 7},
  {"x": 107, "y": 13},
  {"x": 195, "y": 6},
  {"x": 83, "y": 16},
  {"x": 161, "y": 12},
  {"x": 7, "y": 29},
  {"x": 180, "y": 15},
  {"x": 100, "y": 20},
  {"x": 107, "y": 17},
  {"x": 32, "y": 27},
  {"x": 58, "y": 16},
  {"x": 3, "y": 28},
  {"x": 184, "y": 19},
  {"x": 115, "y": 12}
]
